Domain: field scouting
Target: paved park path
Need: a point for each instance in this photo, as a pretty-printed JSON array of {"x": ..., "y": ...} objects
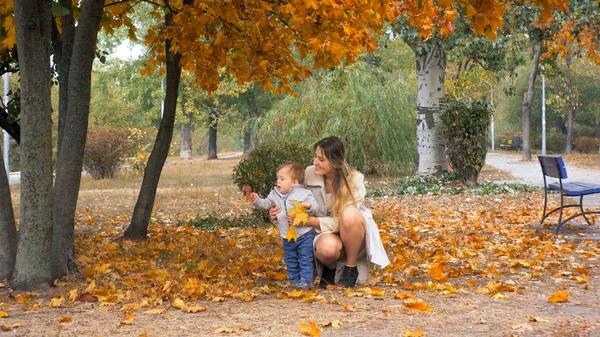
[{"x": 530, "y": 172}]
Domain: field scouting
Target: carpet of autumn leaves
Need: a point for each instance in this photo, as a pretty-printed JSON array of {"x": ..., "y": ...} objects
[{"x": 461, "y": 266}]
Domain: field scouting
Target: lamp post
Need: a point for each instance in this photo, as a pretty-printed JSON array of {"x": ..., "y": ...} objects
[
  {"x": 543, "y": 114},
  {"x": 492, "y": 119}
]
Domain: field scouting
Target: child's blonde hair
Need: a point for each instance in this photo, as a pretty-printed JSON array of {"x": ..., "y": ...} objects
[{"x": 296, "y": 171}]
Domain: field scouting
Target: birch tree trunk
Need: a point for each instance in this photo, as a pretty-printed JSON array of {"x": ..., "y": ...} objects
[
  {"x": 248, "y": 133},
  {"x": 33, "y": 21},
  {"x": 8, "y": 231},
  {"x": 431, "y": 72},
  {"x": 536, "y": 48},
  {"x": 138, "y": 228},
  {"x": 186, "y": 138},
  {"x": 70, "y": 154}
]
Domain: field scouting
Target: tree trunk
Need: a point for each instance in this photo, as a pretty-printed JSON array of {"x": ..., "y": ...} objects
[
  {"x": 62, "y": 46},
  {"x": 249, "y": 130},
  {"x": 213, "y": 121},
  {"x": 33, "y": 21},
  {"x": 70, "y": 155},
  {"x": 186, "y": 132},
  {"x": 572, "y": 104},
  {"x": 8, "y": 231},
  {"x": 431, "y": 72},
  {"x": 536, "y": 47},
  {"x": 138, "y": 228}
]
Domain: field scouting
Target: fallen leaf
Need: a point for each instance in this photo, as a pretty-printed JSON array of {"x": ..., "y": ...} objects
[
  {"x": 155, "y": 311},
  {"x": 416, "y": 333},
  {"x": 309, "y": 329},
  {"x": 193, "y": 309},
  {"x": 349, "y": 307},
  {"x": 66, "y": 319},
  {"x": 559, "y": 297},
  {"x": 538, "y": 320},
  {"x": 179, "y": 304},
  {"x": 416, "y": 304},
  {"x": 128, "y": 316},
  {"x": 56, "y": 302},
  {"x": 127, "y": 322},
  {"x": 333, "y": 324},
  {"x": 437, "y": 273},
  {"x": 88, "y": 298},
  {"x": 403, "y": 294},
  {"x": 3, "y": 314}
]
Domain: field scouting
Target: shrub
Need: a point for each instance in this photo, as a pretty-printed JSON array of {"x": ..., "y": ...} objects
[
  {"x": 258, "y": 169},
  {"x": 586, "y": 144},
  {"x": 105, "y": 152},
  {"x": 464, "y": 128}
]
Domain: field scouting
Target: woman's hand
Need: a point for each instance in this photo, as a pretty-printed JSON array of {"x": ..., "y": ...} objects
[{"x": 273, "y": 211}]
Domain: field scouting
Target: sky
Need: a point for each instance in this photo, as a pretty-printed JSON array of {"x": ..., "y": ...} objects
[{"x": 126, "y": 50}]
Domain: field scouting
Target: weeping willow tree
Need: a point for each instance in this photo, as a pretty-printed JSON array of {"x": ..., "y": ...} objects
[{"x": 369, "y": 105}]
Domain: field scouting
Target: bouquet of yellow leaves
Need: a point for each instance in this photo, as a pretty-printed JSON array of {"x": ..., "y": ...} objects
[{"x": 301, "y": 218}]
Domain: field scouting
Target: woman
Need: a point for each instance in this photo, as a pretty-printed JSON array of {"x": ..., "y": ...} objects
[{"x": 348, "y": 238}]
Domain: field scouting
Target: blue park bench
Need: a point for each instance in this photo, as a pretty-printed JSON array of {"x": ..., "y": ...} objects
[{"x": 555, "y": 167}]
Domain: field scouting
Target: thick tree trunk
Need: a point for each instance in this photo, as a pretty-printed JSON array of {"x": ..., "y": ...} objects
[
  {"x": 213, "y": 121},
  {"x": 8, "y": 231},
  {"x": 62, "y": 46},
  {"x": 431, "y": 72},
  {"x": 536, "y": 47},
  {"x": 572, "y": 104},
  {"x": 70, "y": 156},
  {"x": 33, "y": 21},
  {"x": 138, "y": 228},
  {"x": 186, "y": 137}
]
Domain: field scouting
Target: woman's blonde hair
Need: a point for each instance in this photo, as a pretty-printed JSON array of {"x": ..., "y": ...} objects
[{"x": 334, "y": 150}]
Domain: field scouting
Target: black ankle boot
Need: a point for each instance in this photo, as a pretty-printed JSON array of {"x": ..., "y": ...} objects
[
  {"x": 349, "y": 276},
  {"x": 327, "y": 277}
]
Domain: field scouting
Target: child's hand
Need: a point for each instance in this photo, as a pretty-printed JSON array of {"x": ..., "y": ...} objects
[
  {"x": 253, "y": 196},
  {"x": 306, "y": 204}
]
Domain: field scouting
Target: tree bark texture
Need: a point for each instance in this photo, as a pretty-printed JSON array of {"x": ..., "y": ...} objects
[
  {"x": 33, "y": 21},
  {"x": 70, "y": 156},
  {"x": 138, "y": 228},
  {"x": 536, "y": 47},
  {"x": 8, "y": 231},
  {"x": 431, "y": 72},
  {"x": 571, "y": 91},
  {"x": 62, "y": 46},
  {"x": 249, "y": 137},
  {"x": 186, "y": 138},
  {"x": 213, "y": 123}
]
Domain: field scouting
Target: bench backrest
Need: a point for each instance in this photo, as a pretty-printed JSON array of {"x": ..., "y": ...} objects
[{"x": 553, "y": 167}]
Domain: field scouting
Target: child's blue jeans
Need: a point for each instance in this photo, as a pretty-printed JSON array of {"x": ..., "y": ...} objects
[{"x": 298, "y": 257}]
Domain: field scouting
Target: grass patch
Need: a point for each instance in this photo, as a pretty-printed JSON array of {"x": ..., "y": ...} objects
[
  {"x": 212, "y": 221},
  {"x": 448, "y": 184}
]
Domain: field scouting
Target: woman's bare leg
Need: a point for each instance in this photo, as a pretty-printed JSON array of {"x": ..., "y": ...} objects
[
  {"x": 328, "y": 249},
  {"x": 352, "y": 233}
]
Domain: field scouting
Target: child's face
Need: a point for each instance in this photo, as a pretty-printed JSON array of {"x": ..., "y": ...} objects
[{"x": 284, "y": 181}]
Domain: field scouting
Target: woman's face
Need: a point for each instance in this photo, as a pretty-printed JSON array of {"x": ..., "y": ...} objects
[{"x": 322, "y": 164}]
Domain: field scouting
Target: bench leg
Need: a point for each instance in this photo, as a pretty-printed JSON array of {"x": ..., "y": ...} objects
[
  {"x": 580, "y": 214},
  {"x": 560, "y": 223},
  {"x": 583, "y": 212}
]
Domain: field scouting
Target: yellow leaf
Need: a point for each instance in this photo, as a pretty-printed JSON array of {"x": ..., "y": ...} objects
[
  {"x": 155, "y": 311},
  {"x": 66, "y": 319},
  {"x": 179, "y": 304},
  {"x": 559, "y": 297},
  {"x": 334, "y": 324},
  {"x": 416, "y": 304},
  {"x": 56, "y": 302},
  {"x": 437, "y": 273},
  {"x": 194, "y": 309},
  {"x": 309, "y": 329},
  {"x": 3, "y": 314},
  {"x": 127, "y": 322},
  {"x": 416, "y": 333},
  {"x": 402, "y": 295},
  {"x": 349, "y": 306},
  {"x": 301, "y": 217},
  {"x": 291, "y": 234},
  {"x": 537, "y": 319}
]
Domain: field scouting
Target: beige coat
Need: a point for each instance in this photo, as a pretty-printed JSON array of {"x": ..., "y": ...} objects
[{"x": 375, "y": 253}]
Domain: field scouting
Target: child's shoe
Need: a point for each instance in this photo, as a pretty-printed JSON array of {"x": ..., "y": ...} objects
[{"x": 300, "y": 283}]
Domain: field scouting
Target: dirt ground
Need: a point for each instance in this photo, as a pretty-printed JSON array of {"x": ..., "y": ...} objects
[{"x": 420, "y": 227}]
